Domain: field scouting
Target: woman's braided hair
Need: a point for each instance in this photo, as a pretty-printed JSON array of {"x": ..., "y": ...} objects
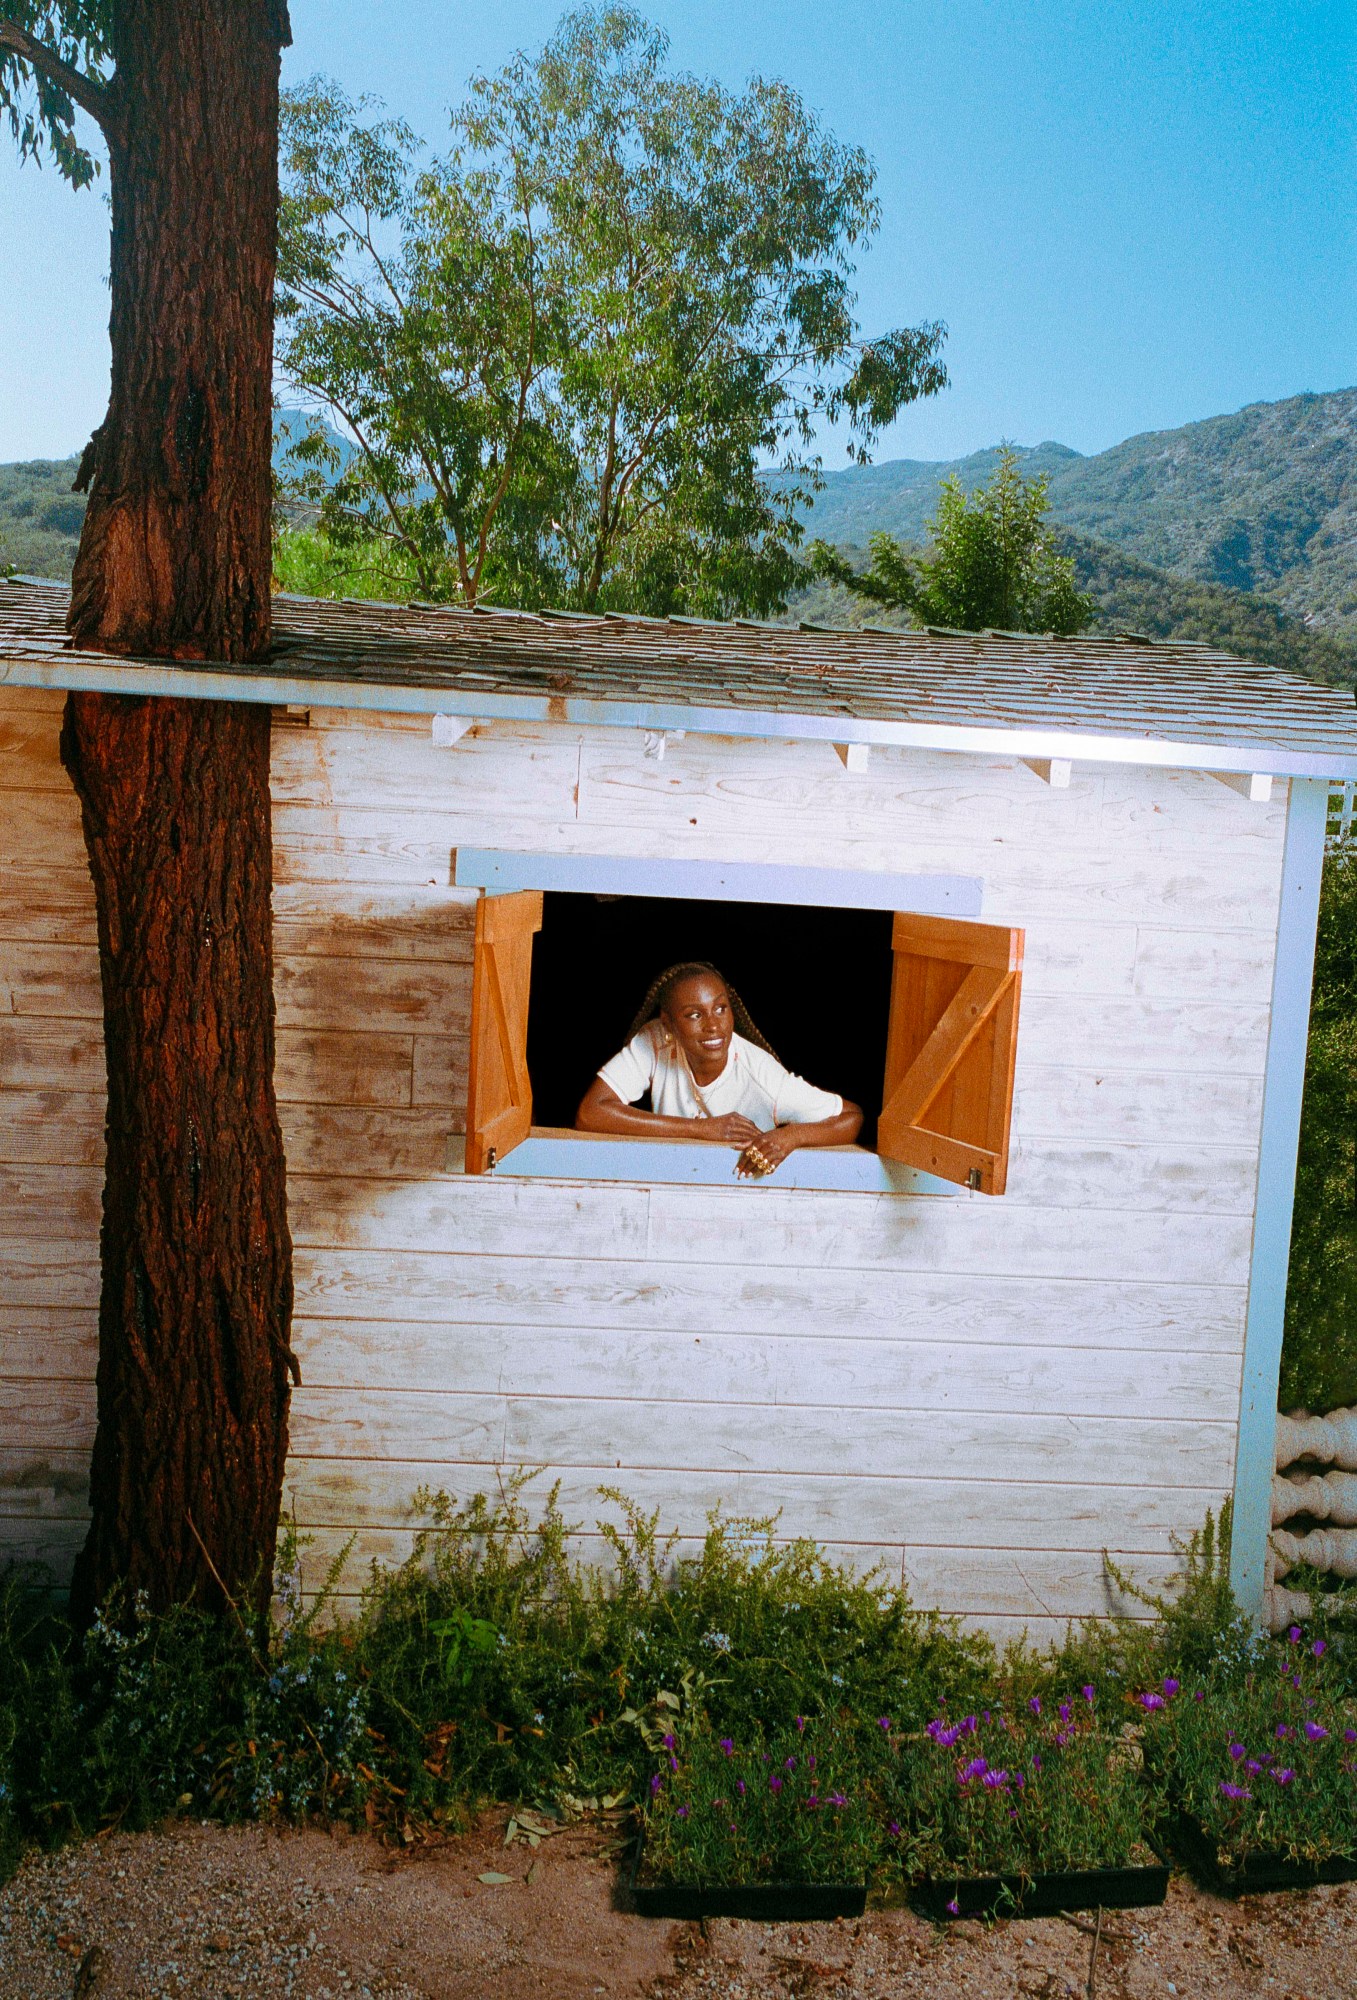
[{"x": 661, "y": 990}]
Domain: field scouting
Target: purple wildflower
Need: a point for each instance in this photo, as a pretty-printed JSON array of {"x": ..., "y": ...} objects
[
  {"x": 954, "y": 1908},
  {"x": 673, "y": 1763},
  {"x": 1235, "y": 1792},
  {"x": 1064, "y": 1711},
  {"x": 731, "y": 1827},
  {"x": 1062, "y": 1737},
  {"x": 1019, "y": 1780},
  {"x": 1087, "y": 1692},
  {"x": 1236, "y": 1751},
  {"x": 1294, "y": 1635},
  {"x": 683, "y": 1812},
  {"x": 1150, "y": 1700},
  {"x": 668, "y": 1742},
  {"x": 1253, "y": 1765},
  {"x": 1171, "y": 1687},
  {"x": 790, "y": 1764},
  {"x": 837, "y": 1799},
  {"x": 1283, "y": 1731},
  {"x": 813, "y": 1800},
  {"x": 1350, "y": 1735},
  {"x": 739, "y": 1786},
  {"x": 1199, "y": 1695},
  {"x": 1295, "y": 1680},
  {"x": 728, "y": 1746},
  {"x": 942, "y": 1736},
  {"x": 775, "y": 1784},
  {"x": 975, "y": 1769},
  {"x": 995, "y": 1781},
  {"x": 1315, "y": 1733},
  {"x": 1036, "y": 1764},
  {"x": 895, "y": 1827},
  {"x": 655, "y": 1784},
  {"x": 1283, "y": 1777},
  {"x": 810, "y": 1762},
  {"x": 1319, "y": 1649},
  {"x": 801, "y": 1723},
  {"x": 883, "y": 1722},
  {"x": 969, "y": 1725},
  {"x": 1034, "y": 1703}
]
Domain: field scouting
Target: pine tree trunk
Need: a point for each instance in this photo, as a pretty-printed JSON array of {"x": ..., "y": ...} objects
[{"x": 174, "y": 560}]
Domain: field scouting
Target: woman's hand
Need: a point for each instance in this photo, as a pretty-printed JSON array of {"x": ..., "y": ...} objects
[
  {"x": 766, "y": 1151},
  {"x": 732, "y": 1130}
]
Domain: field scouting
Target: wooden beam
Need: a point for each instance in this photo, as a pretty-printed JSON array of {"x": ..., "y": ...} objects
[{"x": 1255, "y": 786}]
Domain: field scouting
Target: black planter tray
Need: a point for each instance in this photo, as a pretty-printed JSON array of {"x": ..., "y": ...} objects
[
  {"x": 756, "y": 1902},
  {"x": 1130, "y": 1888},
  {"x": 1261, "y": 1874}
]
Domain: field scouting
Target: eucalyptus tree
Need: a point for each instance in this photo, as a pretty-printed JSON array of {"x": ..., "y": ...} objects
[
  {"x": 564, "y": 354},
  {"x": 992, "y": 561},
  {"x": 174, "y": 561}
]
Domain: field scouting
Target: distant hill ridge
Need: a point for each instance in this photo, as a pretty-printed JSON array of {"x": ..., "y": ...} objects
[
  {"x": 1241, "y": 529},
  {"x": 1263, "y": 501}
]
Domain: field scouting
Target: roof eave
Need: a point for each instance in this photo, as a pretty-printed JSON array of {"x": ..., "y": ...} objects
[{"x": 98, "y": 674}]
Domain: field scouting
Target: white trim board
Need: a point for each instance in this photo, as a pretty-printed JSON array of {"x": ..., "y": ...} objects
[
  {"x": 552, "y": 1154},
  {"x": 717, "y": 882},
  {"x": 101, "y": 674}
]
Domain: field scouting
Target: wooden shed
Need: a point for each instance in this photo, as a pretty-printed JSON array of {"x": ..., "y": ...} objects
[{"x": 1037, "y": 1317}]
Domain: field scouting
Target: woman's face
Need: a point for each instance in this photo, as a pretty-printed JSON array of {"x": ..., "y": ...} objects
[{"x": 700, "y": 1017}]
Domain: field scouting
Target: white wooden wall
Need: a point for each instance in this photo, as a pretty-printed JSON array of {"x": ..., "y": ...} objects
[{"x": 983, "y": 1393}]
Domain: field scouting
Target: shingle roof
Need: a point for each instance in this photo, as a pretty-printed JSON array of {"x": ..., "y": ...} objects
[{"x": 1119, "y": 698}]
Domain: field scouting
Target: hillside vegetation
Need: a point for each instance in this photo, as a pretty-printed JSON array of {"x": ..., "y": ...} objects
[
  {"x": 1240, "y": 530},
  {"x": 1262, "y": 502}
]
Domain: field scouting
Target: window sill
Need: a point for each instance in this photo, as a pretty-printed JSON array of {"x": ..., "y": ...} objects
[{"x": 551, "y": 1153}]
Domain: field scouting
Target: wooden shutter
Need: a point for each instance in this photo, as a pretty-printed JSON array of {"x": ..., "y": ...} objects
[
  {"x": 499, "y": 1093},
  {"x": 948, "y": 1097}
]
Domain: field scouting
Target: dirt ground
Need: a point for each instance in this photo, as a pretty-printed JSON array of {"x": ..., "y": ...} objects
[{"x": 244, "y": 1912}]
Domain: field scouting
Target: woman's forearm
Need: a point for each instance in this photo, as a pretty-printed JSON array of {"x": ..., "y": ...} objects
[
  {"x": 630, "y": 1122},
  {"x": 841, "y": 1130}
]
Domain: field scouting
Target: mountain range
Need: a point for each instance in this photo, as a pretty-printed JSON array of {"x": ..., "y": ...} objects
[{"x": 1240, "y": 529}]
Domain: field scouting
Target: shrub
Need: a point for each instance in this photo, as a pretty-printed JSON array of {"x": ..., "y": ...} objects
[
  {"x": 1319, "y": 1354},
  {"x": 1019, "y": 1788},
  {"x": 794, "y": 1806},
  {"x": 1263, "y": 1763}
]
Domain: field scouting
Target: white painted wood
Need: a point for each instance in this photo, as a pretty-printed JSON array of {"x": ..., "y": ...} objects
[
  {"x": 1255, "y": 786},
  {"x": 1053, "y": 771},
  {"x": 854, "y": 756},
  {"x": 456, "y": 1289},
  {"x": 863, "y": 1362},
  {"x": 755, "y": 1368},
  {"x": 450, "y": 729}
]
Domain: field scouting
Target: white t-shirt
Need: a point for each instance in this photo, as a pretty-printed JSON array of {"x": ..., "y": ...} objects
[{"x": 753, "y": 1083}]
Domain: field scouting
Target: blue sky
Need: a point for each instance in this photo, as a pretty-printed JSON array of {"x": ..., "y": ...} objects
[{"x": 1130, "y": 214}]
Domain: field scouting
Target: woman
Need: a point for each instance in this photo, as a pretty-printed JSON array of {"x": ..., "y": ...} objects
[{"x": 711, "y": 1075}]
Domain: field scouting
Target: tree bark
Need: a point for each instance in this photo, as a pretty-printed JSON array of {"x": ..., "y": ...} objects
[{"x": 175, "y": 561}]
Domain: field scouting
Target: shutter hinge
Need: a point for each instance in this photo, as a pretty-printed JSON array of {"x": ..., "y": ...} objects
[
  {"x": 972, "y": 1178},
  {"x": 491, "y": 1159}
]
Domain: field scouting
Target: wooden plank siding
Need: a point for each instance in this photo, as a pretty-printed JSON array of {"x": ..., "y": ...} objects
[{"x": 981, "y": 1394}]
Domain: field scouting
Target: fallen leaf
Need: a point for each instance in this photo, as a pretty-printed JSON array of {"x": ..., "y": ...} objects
[
  {"x": 493, "y": 1875},
  {"x": 533, "y": 1873},
  {"x": 510, "y": 1830}
]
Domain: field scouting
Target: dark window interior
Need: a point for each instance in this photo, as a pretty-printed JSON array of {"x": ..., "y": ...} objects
[{"x": 817, "y": 983}]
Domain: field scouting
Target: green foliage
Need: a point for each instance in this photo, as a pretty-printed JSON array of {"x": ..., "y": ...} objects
[
  {"x": 309, "y": 563},
  {"x": 561, "y": 350},
  {"x": 992, "y": 562},
  {"x": 1028, "y": 1784},
  {"x": 1257, "y": 505},
  {"x": 1319, "y": 1354},
  {"x": 1265, "y": 1761},
  {"x": 797, "y": 1805},
  {"x": 494, "y": 1665},
  {"x": 38, "y": 107},
  {"x": 40, "y": 518}
]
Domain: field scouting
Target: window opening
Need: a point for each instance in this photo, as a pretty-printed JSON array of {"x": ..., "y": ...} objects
[{"x": 816, "y": 981}]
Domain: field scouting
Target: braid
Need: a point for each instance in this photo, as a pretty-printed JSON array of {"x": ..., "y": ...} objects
[{"x": 660, "y": 989}]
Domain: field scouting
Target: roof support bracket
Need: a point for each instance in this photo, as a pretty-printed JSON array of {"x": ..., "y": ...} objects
[
  {"x": 854, "y": 756},
  {"x": 450, "y": 729},
  {"x": 1053, "y": 771},
  {"x": 1256, "y": 786}
]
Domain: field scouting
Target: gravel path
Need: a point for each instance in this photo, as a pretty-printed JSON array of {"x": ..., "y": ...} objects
[{"x": 231, "y": 1914}]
